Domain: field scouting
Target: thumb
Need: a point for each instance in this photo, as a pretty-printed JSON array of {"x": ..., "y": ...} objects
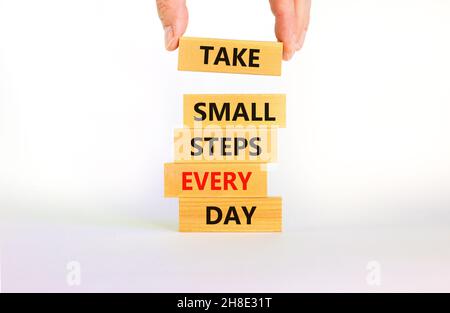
[
  {"x": 174, "y": 18},
  {"x": 291, "y": 23},
  {"x": 284, "y": 11}
]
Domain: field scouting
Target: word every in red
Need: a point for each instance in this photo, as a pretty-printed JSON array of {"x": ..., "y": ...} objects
[{"x": 215, "y": 180}]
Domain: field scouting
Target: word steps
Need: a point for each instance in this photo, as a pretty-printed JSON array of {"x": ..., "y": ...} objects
[
  {"x": 219, "y": 171},
  {"x": 226, "y": 144}
]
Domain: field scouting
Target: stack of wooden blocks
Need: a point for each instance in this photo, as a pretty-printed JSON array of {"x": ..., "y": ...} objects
[{"x": 220, "y": 173}]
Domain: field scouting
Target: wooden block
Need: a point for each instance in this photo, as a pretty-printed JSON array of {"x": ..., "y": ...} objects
[
  {"x": 249, "y": 144},
  {"x": 230, "y": 56},
  {"x": 209, "y": 110},
  {"x": 230, "y": 215},
  {"x": 215, "y": 180}
]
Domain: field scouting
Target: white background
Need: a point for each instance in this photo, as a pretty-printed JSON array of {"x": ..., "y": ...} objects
[{"x": 89, "y": 99}]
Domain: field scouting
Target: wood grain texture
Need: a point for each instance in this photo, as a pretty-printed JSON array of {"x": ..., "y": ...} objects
[
  {"x": 266, "y": 217},
  {"x": 230, "y": 144},
  {"x": 255, "y": 176},
  {"x": 230, "y": 56},
  {"x": 217, "y": 110}
]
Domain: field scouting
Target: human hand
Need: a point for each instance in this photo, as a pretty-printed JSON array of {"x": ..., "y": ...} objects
[{"x": 291, "y": 22}]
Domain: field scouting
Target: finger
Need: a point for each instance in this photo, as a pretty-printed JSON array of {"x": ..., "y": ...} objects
[
  {"x": 302, "y": 8},
  {"x": 285, "y": 25},
  {"x": 174, "y": 18}
]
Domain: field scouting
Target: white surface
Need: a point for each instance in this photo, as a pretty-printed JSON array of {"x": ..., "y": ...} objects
[
  {"x": 140, "y": 256},
  {"x": 88, "y": 103}
]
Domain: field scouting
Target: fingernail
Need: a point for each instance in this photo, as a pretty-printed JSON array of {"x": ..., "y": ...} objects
[
  {"x": 287, "y": 55},
  {"x": 168, "y": 36},
  {"x": 301, "y": 40}
]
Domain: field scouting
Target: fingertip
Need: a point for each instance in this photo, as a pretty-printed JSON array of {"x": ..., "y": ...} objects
[
  {"x": 172, "y": 36},
  {"x": 172, "y": 46},
  {"x": 300, "y": 41},
  {"x": 288, "y": 54},
  {"x": 289, "y": 43},
  {"x": 285, "y": 23},
  {"x": 289, "y": 48},
  {"x": 169, "y": 38},
  {"x": 174, "y": 17}
]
